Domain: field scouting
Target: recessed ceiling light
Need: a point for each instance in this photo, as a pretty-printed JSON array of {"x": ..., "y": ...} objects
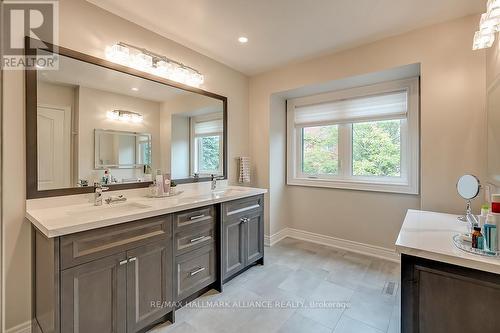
[
  {"x": 135, "y": 89},
  {"x": 243, "y": 39}
]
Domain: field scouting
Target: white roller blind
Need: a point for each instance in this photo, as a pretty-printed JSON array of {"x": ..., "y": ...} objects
[
  {"x": 382, "y": 106},
  {"x": 208, "y": 127}
]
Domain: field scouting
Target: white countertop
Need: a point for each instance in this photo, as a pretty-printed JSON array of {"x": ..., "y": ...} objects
[
  {"x": 58, "y": 216},
  {"x": 429, "y": 235}
]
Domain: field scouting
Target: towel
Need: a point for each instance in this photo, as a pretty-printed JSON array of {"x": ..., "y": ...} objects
[{"x": 244, "y": 170}]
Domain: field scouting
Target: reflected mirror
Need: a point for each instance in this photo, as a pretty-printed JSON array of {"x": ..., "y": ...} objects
[{"x": 100, "y": 124}]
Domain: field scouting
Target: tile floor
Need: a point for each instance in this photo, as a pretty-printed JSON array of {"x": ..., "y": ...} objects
[{"x": 298, "y": 273}]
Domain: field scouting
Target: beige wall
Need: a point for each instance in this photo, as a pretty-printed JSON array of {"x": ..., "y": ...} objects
[
  {"x": 452, "y": 132},
  {"x": 88, "y": 29}
]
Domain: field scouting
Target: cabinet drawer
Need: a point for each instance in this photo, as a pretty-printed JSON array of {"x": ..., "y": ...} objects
[
  {"x": 94, "y": 244},
  {"x": 194, "y": 238},
  {"x": 197, "y": 216},
  {"x": 194, "y": 271},
  {"x": 243, "y": 206}
]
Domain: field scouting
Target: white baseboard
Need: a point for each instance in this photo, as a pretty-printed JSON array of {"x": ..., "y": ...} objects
[
  {"x": 338, "y": 243},
  {"x": 273, "y": 239},
  {"x": 21, "y": 328}
]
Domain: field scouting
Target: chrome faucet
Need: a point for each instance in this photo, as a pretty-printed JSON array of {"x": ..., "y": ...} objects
[
  {"x": 98, "y": 189},
  {"x": 119, "y": 198},
  {"x": 214, "y": 182}
]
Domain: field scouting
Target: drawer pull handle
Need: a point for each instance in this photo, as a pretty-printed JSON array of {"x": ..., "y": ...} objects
[
  {"x": 123, "y": 262},
  {"x": 132, "y": 259},
  {"x": 196, "y": 217},
  {"x": 196, "y": 271},
  {"x": 244, "y": 219},
  {"x": 197, "y": 239}
]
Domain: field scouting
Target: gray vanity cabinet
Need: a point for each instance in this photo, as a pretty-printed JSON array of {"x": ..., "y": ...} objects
[
  {"x": 94, "y": 296},
  {"x": 242, "y": 234},
  {"x": 116, "y": 279},
  {"x": 149, "y": 284}
]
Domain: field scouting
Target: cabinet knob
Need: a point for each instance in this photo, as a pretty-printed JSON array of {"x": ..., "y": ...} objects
[{"x": 244, "y": 219}]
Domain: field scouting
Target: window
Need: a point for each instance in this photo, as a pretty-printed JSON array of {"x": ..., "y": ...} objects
[
  {"x": 206, "y": 145},
  {"x": 363, "y": 138}
]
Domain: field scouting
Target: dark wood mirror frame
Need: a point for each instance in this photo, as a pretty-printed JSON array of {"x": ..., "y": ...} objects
[{"x": 32, "y": 191}]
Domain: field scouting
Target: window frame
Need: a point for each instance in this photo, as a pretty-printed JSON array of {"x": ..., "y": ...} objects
[
  {"x": 194, "y": 146},
  {"x": 407, "y": 183}
]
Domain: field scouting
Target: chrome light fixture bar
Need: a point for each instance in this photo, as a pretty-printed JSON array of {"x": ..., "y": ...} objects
[
  {"x": 153, "y": 63},
  {"x": 488, "y": 26},
  {"x": 125, "y": 116}
]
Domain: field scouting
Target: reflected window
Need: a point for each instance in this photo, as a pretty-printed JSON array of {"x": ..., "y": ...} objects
[{"x": 206, "y": 144}]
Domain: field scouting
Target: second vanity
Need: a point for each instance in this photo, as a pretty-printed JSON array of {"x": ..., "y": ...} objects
[{"x": 126, "y": 267}]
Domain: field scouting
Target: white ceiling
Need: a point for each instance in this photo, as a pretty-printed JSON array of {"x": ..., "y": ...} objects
[{"x": 283, "y": 31}]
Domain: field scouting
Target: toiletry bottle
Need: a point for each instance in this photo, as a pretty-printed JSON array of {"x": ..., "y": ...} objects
[
  {"x": 491, "y": 233},
  {"x": 485, "y": 210},
  {"x": 166, "y": 183},
  {"x": 495, "y": 203},
  {"x": 476, "y": 237},
  {"x": 159, "y": 182}
]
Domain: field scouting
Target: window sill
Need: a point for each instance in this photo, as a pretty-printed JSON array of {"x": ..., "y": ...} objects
[{"x": 402, "y": 188}]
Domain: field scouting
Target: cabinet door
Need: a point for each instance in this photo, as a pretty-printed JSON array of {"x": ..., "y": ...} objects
[
  {"x": 254, "y": 237},
  {"x": 149, "y": 284},
  {"x": 233, "y": 248},
  {"x": 93, "y": 296}
]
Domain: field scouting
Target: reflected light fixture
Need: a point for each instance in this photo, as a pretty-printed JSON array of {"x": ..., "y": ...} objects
[
  {"x": 489, "y": 25},
  {"x": 153, "y": 63},
  {"x": 125, "y": 116},
  {"x": 243, "y": 39}
]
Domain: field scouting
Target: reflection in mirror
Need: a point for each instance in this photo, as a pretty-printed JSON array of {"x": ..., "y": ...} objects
[
  {"x": 95, "y": 124},
  {"x": 493, "y": 114}
]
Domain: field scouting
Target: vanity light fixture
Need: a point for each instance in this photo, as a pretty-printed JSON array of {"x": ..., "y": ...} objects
[
  {"x": 125, "y": 116},
  {"x": 153, "y": 63},
  {"x": 243, "y": 39},
  {"x": 489, "y": 25},
  {"x": 134, "y": 89}
]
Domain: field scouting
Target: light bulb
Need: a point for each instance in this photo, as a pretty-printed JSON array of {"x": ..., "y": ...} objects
[
  {"x": 492, "y": 5},
  {"x": 118, "y": 53},
  {"x": 142, "y": 62},
  {"x": 483, "y": 40}
]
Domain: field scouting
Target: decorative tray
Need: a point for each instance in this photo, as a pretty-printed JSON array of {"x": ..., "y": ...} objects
[
  {"x": 164, "y": 195},
  {"x": 467, "y": 247}
]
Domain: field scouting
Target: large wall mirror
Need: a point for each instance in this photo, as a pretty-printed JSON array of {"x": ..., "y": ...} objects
[
  {"x": 493, "y": 130},
  {"x": 94, "y": 121}
]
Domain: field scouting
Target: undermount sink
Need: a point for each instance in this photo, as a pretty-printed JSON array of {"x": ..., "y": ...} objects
[
  {"x": 106, "y": 209},
  {"x": 228, "y": 191}
]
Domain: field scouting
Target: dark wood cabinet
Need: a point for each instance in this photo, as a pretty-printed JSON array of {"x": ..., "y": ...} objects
[
  {"x": 242, "y": 235},
  {"x": 94, "y": 296},
  {"x": 439, "y": 297}
]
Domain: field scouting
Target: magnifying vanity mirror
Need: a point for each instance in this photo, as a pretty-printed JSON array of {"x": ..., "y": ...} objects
[
  {"x": 468, "y": 187},
  {"x": 92, "y": 121}
]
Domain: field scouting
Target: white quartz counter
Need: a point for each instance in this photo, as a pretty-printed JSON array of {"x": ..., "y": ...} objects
[
  {"x": 58, "y": 216},
  {"x": 429, "y": 235}
]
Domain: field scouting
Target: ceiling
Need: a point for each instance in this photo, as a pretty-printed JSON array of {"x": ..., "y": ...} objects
[{"x": 283, "y": 31}]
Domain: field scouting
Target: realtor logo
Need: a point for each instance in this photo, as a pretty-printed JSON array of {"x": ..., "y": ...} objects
[{"x": 38, "y": 20}]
